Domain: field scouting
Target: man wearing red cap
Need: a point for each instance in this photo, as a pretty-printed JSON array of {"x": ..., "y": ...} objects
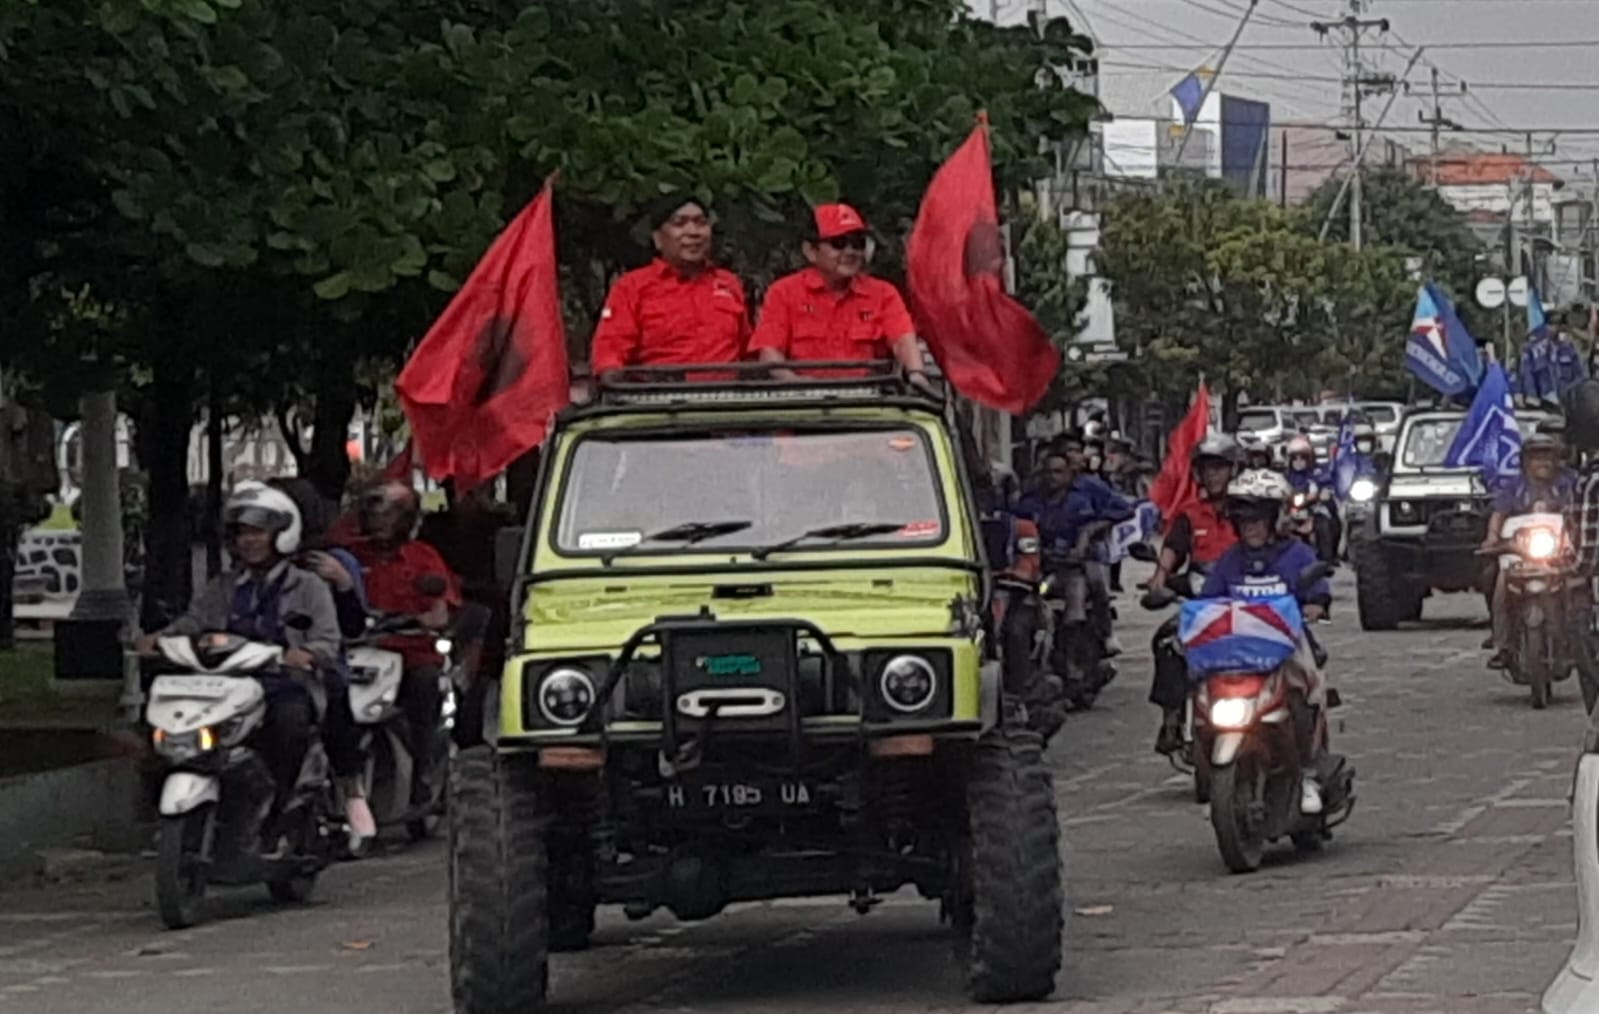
[
  {"x": 834, "y": 309},
  {"x": 680, "y": 308}
]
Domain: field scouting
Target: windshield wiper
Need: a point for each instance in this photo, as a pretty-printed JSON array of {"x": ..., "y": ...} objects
[
  {"x": 833, "y": 534},
  {"x": 687, "y": 533}
]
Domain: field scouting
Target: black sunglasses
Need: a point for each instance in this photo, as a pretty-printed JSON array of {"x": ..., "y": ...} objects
[{"x": 853, "y": 241}]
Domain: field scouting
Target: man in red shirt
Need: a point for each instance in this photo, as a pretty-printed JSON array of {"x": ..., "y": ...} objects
[
  {"x": 834, "y": 309},
  {"x": 681, "y": 307},
  {"x": 395, "y": 564}
]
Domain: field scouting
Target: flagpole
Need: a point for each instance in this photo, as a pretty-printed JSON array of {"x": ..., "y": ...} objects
[{"x": 1177, "y": 161}]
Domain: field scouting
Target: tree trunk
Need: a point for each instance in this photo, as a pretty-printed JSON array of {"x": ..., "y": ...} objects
[
  {"x": 104, "y": 592},
  {"x": 164, "y": 439},
  {"x": 328, "y": 460},
  {"x": 213, "y": 483},
  {"x": 10, "y": 532},
  {"x": 1229, "y": 408}
]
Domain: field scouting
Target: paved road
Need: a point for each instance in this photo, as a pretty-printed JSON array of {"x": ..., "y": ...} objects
[{"x": 1450, "y": 891}]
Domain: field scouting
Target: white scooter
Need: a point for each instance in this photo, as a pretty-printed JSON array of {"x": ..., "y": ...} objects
[
  {"x": 217, "y": 798},
  {"x": 375, "y": 677}
]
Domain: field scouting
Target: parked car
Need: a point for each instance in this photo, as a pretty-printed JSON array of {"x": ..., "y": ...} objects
[{"x": 1576, "y": 989}]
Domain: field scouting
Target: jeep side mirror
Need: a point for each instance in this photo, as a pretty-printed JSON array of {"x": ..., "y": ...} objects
[{"x": 507, "y": 555}]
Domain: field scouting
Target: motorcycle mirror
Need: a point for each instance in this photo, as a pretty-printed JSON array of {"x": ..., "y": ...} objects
[
  {"x": 1142, "y": 552},
  {"x": 1315, "y": 572},
  {"x": 432, "y": 585}
]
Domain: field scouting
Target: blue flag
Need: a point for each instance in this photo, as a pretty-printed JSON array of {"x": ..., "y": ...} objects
[
  {"x": 1441, "y": 352},
  {"x": 1489, "y": 439},
  {"x": 1189, "y": 93},
  {"x": 1346, "y": 460},
  {"x": 1537, "y": 323}
]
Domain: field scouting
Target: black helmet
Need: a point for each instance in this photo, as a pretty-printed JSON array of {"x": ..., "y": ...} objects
[
  {"x": 1582, "y": 414},
  {"x": 1542, "y": 442}
]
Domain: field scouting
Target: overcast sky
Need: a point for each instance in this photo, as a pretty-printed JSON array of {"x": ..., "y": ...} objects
[{"x": 1151, "y": 38}]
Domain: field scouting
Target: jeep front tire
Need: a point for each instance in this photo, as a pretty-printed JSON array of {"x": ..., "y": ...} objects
[
  {"x": 499, "y": 920},
  {"x": 1015, "y": 920},
  {"x": 1376, "y": 597}
]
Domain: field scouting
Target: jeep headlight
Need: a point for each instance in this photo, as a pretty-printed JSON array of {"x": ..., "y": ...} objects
[
  {"x": 566, "y": 696},
  {"x": 908, "y": 683},
  {"x": 1362, "y": 490},
  {"x": 1405, "y": 510}
]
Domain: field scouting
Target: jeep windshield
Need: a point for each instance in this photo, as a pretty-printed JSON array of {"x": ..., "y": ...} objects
[
  {"x": 1254, "y": 422},
  {"x": 1426, "y": 441},
  {"x": 767, "y": 485}
]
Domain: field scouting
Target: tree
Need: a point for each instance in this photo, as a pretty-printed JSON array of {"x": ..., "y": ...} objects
[
  {"x": 1399, "y": 211},
  {"x": 1208, "y": 283}
]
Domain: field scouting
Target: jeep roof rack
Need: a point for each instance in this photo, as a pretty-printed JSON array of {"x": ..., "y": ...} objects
[{"x": 723, "y": 384}]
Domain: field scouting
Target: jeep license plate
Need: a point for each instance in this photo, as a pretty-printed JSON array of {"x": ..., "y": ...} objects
[{"x": 772, "y": 795}]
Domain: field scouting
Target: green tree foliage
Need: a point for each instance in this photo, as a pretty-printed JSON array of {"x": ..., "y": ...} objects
[
  {"x": 1207, "y": 283},
  {"x": 1399, "y": 211}
]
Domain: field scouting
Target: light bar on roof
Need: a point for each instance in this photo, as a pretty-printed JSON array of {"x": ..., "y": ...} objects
[{"x": 714, "y": 395}]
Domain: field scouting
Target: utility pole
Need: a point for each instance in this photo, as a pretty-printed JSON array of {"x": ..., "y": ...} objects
[
  {"x": 1353, "y": 27},
  {"x": 1437, "y": 121}
]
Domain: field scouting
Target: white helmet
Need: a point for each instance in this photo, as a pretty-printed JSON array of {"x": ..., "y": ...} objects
[
  {"x": 260, "y": 506},
  {"x": 1299, "y": 444},
  {"x": 1259, "y": 484}
]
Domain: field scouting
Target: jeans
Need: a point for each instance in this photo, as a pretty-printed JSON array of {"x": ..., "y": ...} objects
[{"x": 421, "y": 700}]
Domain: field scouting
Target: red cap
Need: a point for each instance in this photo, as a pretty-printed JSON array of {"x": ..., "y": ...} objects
[{"x": 838, "y": 220}]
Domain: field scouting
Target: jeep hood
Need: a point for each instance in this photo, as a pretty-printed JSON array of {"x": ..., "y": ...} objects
[{"x": 598, "y": 614}]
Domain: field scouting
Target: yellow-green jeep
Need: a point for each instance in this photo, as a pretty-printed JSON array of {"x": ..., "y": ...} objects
[{"x": 749, "y": 660}]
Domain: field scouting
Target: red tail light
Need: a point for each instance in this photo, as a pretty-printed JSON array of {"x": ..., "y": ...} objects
[{"x": 1236, "y": 685}]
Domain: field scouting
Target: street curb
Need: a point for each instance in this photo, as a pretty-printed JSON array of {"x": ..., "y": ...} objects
[{"x": 71, "y": 811}]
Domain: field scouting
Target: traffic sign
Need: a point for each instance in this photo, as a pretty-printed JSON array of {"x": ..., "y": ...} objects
[
  {"x": 1518, "y": 290},
  {"x": 1491, "y": 293}
]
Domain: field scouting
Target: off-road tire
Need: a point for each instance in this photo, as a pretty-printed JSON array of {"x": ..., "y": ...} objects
[
  {"x": 1376, "y": 599},
  {"x": 1012, "y": 941},
  {"x": 179, "y": 892},
  {"x": 499, "y": 918}
]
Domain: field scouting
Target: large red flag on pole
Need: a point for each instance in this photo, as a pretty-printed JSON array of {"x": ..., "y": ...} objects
[
  {"x": 1174, "y": 489},
  {"x": 481, "y": 388},
  {"x": 986, "y": 343}
]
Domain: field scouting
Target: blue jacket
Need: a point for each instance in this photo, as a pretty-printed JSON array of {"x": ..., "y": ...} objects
[
  {"x": 1059, "y": 520},
  {"x": 1519, "y": 496},
  {"x": 1273, "y": 569}
]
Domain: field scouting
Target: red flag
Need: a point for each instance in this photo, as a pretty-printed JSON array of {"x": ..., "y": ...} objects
[
  {"x": 1174, "y": 488},
  {"x": 482, "y": 387},
  {"x": 987, "y": 344}
]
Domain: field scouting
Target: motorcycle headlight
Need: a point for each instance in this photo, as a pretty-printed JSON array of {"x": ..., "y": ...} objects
[
  {"x": 1362, "y": 490},
  {"x": 908, "y": 683},
  {"x": 1540, "y": 544},
  {"x": 1232, "y": 712},
  {"x": 182, "y": 746},
  {"x": 566, "y": 696},
  {"x": 444, "y": 646}
]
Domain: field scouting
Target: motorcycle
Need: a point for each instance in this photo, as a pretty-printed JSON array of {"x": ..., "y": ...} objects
[
  {"x": 375, "y": 678},
  {"x": 1168, "y": 650},
  {"x": 218, "y": 824},
  {"x": 1069, "y": 642},
  {"x": 1247, "y": 724},
  {"x": 1019, "y": 615},
  {"x": 1312, "y": 518},
  {"x": 1544, "y": 593}
]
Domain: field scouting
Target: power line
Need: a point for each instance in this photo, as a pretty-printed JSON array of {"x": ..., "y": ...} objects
[
  {"x": 1286, "y": 46},
  {"x": 1169, "y": 33},
  {"x": 1576, "y": 86},
  {"x": 1231, "y": 14}
]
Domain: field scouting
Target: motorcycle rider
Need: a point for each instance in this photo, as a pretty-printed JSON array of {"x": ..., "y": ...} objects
[
  {"x": 395, "y": 562},
  {"x": 1071, "y": 510},
  {"x": 266, "y": 598},
  {"x": 1582, "y": 422},
  {"x": 1200, "y": 534},
  {"x": 1264, "y": 562},
  {"x": 339, "y": 568},
  {"x": 1545, "y": 485},
  {"x": 1324, "y": 529}
]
